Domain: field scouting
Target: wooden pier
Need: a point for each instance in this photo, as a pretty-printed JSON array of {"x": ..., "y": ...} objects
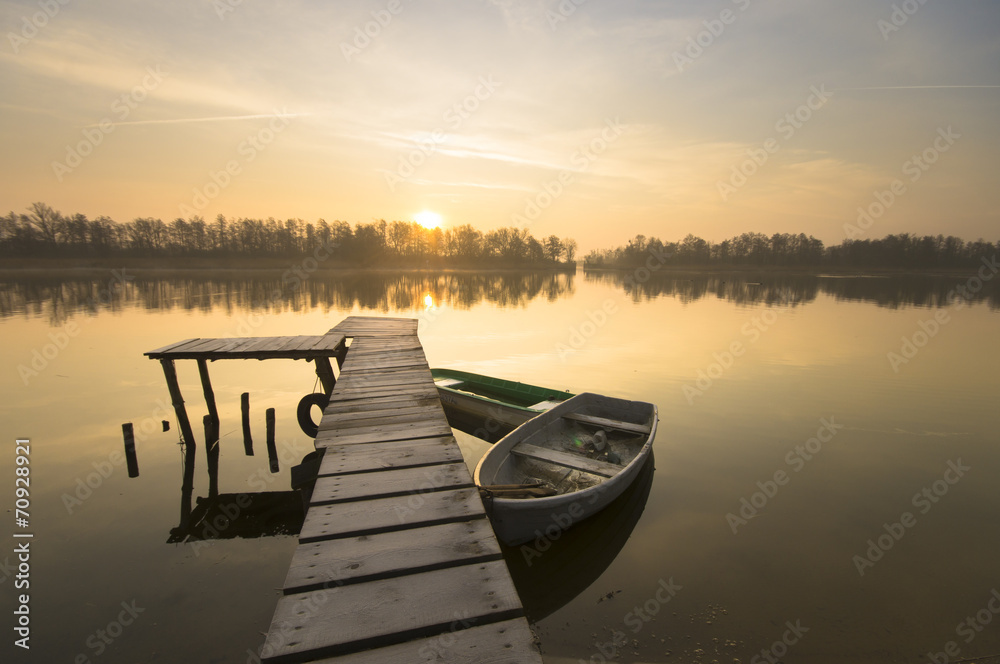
[{"x": 396, "y": 561}]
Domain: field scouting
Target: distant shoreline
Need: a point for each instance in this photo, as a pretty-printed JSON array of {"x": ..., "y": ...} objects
[
  {"x": 261, "y": 266},
  {"x": 272, "y": 266}
]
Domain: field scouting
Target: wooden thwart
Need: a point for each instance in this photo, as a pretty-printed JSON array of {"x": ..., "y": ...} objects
[
  {"x": 608, "y": 424},
  {"x": 567, "y": 460}
]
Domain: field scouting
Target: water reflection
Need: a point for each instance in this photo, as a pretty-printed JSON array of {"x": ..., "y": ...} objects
[
  {"x": 59, "y": 298},
  {"x": 549, "y": 573},
  {"x": 233, "y": 515},
  {"x": 892, "y": 291}
]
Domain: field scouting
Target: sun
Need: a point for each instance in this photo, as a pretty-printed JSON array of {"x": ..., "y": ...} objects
[{"x": 428, "y": 219}]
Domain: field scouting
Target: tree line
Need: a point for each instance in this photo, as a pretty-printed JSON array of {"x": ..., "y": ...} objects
[
  {"x": 903, "y": 250},
  {"x": 44, "y": 232}
]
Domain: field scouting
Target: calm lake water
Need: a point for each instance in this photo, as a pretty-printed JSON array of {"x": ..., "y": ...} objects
[{"x": 826, "y": 464}]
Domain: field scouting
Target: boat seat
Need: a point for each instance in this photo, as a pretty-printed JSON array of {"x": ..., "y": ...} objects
[
  {"x": 567, "y": 460},
  {"x": 544, "y": 405},
  {"x": 608, "y": 424}
]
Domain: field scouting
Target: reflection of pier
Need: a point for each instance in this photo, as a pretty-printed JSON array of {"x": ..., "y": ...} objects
[{"x": 396, "y": 561}]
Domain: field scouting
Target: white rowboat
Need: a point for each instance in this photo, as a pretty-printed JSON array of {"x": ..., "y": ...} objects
[{"x": 564, "y": 465}]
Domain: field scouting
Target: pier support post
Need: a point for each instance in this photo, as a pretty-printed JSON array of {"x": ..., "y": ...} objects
[
  {"x": 325, "y": 372},
  {"x": 206, "y": 386},
  {"x": 212, "y": 455},
  {"x": 170, "y": 373}
]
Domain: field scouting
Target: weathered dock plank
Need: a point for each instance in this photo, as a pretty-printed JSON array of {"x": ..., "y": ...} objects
[
  {"x": 387, "y": 483},
  {"x": 370, "y": 557},
  {"x": 498, "y": 643},
  {"x": 370, "y": 457},
  {"x": 397, "y": 513},
  {"x": 357, "y": 617}
]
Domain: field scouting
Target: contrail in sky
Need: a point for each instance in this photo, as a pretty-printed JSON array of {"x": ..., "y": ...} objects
[
  {"x": 211, "y": 119},
  {"x": 919, "y": 87}
]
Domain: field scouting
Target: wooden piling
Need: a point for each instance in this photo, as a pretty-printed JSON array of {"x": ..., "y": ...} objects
[
  {"x": 130, "y": 458},
  {"x": 170, "y": 373},
  {"x": 206, "y": 386},
  {"x": 325, "y": 372},
  {"x": 245, "y": 410},
  {"x": 212, "y": 455},
  {"x": 272, "y": 449}
]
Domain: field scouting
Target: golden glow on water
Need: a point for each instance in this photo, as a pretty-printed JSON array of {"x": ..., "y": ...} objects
[{"x": 739, "y": 384}]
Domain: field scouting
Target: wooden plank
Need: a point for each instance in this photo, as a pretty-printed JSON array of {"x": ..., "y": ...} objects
[
  {"x": 351, "y": 436},
  {"x": 507, "y": 642},
  {"x": 342, "y": 488},
  {"x": 343, "y": 393},
  {"x": 385, "y": 514},
  {"x": 363, "y": 458},
  {"x": 159, "y": 351},
  {"x": 370, "y": 557},
  {"x": 359, "y": 421},
  {"x": 567, "y": 460},
  {"x": 377, "y": 403},
  {"x": 353, "y": 618},
  {"x": 607, "y": 423}
]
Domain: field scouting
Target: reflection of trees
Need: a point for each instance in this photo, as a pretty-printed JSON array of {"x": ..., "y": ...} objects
[
  {"x": 374, "y": 291},
  {"x": 748, "y": 288}
]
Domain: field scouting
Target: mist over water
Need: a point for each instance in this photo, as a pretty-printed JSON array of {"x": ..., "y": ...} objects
[{"x": 812, "y": 497}]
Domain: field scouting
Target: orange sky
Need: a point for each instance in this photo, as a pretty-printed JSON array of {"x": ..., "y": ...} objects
[{"x": 579, "y": 118}]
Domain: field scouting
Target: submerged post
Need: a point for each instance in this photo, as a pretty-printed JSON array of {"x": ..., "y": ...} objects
[
  {"x": 170, "y": 373},
  {"x": 130, "y": 458},
  {"x": 245, "y": 410},
  {"x": 272, "y": 450},
  {"x": 212, "y": 455}
]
